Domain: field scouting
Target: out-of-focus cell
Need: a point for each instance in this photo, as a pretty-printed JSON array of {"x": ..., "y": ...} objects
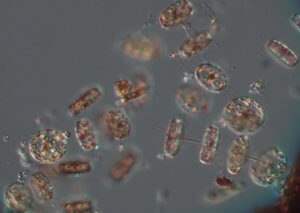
[
  {"x": 41, "y": 187},
  {"x": 294, "y": 91},
  {"x": 269, "y": 167},
  {"x": 223, "y": 181},
  {"x": 191, "y": 99},
  {"x": 23, "y": 176},
  {"x": 82, "y": 206},
  {"x": 211, "y": 78},
  {"x": 174, "y": 138},
  {"x": 220, "y": 195},
  {"x": 141, "y": 47},
  {"x": 209, "y": 145},
  {"x": 177, "y": 13},
  {"x": 123, "y": 87},
  {"x": 17, "y": 197},
  {"x": 282, "y": 52},
  {"x": 85, "y": 135},
  {"x": 117, "y": 125},
  {"x": 85, "y": 100},
  {"x": 195, "y": 44},
  {"x": 257, "y": 87},
  {"x": 48, "y": 145},
  {"x": 238, "y": 154},
  {"x": 295, "y": 20},
  {"x": 123, "y": 165},
  {"x": 244, "y": 115},
  {"x": 23, "y": 154},
  {"x": 5, "y": 138},
  {"x": 74, "y": 167}
]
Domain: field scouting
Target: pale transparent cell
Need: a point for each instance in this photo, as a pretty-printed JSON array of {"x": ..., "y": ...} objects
[{"x": 41, "y": 187}]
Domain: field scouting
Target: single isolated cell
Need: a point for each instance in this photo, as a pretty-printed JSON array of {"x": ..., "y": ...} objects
[
  {"x": 191, "y": 99},
  {"x": 295, "y": 21},
  {"x": 209, "y": 145},
  {"x": 82, "y": 206},
  {"x": 195, "y": 44},
  {"x": 244, "y": 115},
  {"x": 211, "y": 78},
  {"x": 85, "y": 135},
  {"x": 173, "y": 141},
  {"x": 257, "y": 87},
  {"x": 223, "y": 182},
  {"x": 48, "y": 145},
  {"x": 74, "y": 167},
  {"x": 238, "y": 154},
  {"x": 17, "y": 197},
  {"x": 269, "y": 167},
  {"x": 41, "y": 187},
  {"x": 177, "y": 13},
  {"x": 282, "y": 52},
  {"x": 85, "y": 100}
]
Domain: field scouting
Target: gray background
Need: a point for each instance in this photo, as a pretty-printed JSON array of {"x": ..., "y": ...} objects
[{"x": 50, "y": 50}]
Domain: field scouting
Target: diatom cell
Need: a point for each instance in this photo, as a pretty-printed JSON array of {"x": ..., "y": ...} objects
[
  {"x": 48, "y": 145},
  {"x": 223, "y": 181},
  {"x": 269, "y": 167},
  {"x": 195, "y": 44},
  {"x": 41, "y": 187},
  {"x": 82, "y": 206},
  {"x": 177, "y": 13},
  {"x": 174, "y": 138},
  {"x": 220, "y": 195},
  {"x": 282, "y": 52},
  {"x": 123, "y": 166},
  {"x": 117, "y": 125},
  {"x": 243, "y": 115},
  {"x": 257, "y": 87},
  {"x": 17, "y": 197},
  {"x": 209, "y": 145},
  {"x": 85, "y": 135},
  {"x": 295, "y": 20},
  {"x": 85, "y": 100},
  {"x": 141, "y": 47},
  {"x": 123, "y": 87},
  {"x": 211, "y": 78},
  {"x": 191, "y": 99},
  {"x": 74, "y": 167},
  {"x": 237, "y": 155}
]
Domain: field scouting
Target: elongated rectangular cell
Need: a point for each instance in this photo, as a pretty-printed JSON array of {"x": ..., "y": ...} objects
[
  {"x": 82, "y": 206},
  {"x": 85, "y": 135},
  {"x": 238, "y": 154},
  {"x": 74, "y": 167},
  {"x": 85, "y": 100},
  {"x": 209, "y": 145},
  {"x": 282, "y": 52},
  {"x": 195, "y": 44},
  {"x": 174, "y": 138},
  {"x": 123, "y": 166}
]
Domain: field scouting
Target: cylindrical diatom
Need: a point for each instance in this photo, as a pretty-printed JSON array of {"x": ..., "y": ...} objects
[
  {"x": 74, "y": 167},
  {"x": 209, "y": 145},
  {"x": 85, "y": 135},
  {"x": 41, "y": 186}
]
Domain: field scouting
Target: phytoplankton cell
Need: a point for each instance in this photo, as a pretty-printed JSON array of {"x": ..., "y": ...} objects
[
  {"x": 82, "y": 206},
  {"x": 123, "y": 87},
  {"x": 238, "y": 154},
  {"x": 223, "y": 181},
  {"x": 117, "y": 124},
  {"x": 257, "y": 87},
  {"x": 243, "y": 115},
  {"x": 85, "y": 135},
  {"x": 195, "y": 44},
  {"x": 269, "y": 167},
  {"x": 17, "y": 197},
  {"x": 85, "y": 100},
  {"x": 41, "y": 187},
  {"x": 174, "y": 138},
  {"x": 48, "y": 145},
  {"x": 295, "y": 20},
  {"x": 209, "y": 145},
  {"x": 211, "y": 78},
  {"x": 282, "y": 52},
  {"x": 220, "y": 195},
  {"x": 191, "y": 99},
  {"x": 123, "y": 166},
  {"x": 74, "y": 167},
  {"x": 176, "y": 14}
]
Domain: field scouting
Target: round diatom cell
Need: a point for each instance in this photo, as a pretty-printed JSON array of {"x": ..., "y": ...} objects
[
  {"x": 117, "y": 125},
  {"x": 211, "y": 78},
  {"x": 243, "y": 115},
  {"x": 17, "y": 197},
  {"x": 85, "y": 135},
  {"x": 41, "y": 186},
  {"x": 48, "y": 145},
  {"x": 191, "y": 99},
  {"x": 269, "y": 167}
]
